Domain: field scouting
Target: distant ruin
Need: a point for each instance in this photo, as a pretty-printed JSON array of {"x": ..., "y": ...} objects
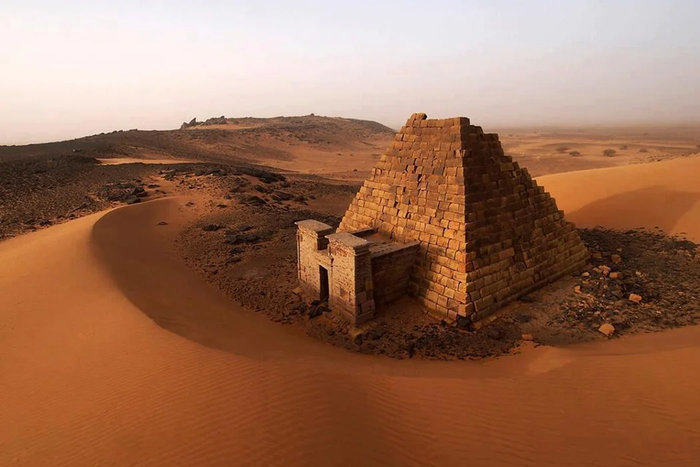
[{"x": 446, "y": 217}]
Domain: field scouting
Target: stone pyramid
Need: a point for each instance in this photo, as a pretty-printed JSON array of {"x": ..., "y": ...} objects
[{"x": 488, "y": 233}]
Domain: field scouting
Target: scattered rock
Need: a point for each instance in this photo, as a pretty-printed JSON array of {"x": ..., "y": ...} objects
[
  {"x": 494, "y": 333},
  {"x": 132, "y": 200},
  {"x": 317, "y": 310},
  {"x": 577, "y": 289},
  {"x": 282, "y": 196},
  {"x": 215, "y": 121},
  {"x": 615, "y": 275},
  {"x": 465, "y": 323},
  {"x": 139, "y": 191},
  {"x": 616, "y": 259},
  {"x": 211, "y": 227},
  {"x": 526, "y": 299},
  {"x": 634, "y": 298},
  {"x": 527, "y": 337},
  {"x": 300, "y": 308},
  {"x": 411, "y": 349},
  {"x": 251, "y": 200},
  {"x": 186, "y": 125},
  {"x": 162, "y": 223},
  {"x": 607, "y": 329},
  {"x": 237, "y": 239},
  {"x": 522, "y": 318},
  {"x": 263, "y": 175},
  {"x": 605, "y": 270}
]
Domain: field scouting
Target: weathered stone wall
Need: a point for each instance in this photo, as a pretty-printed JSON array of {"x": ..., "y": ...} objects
[
  {"x": 311, "y": 253},
  {"x": 487, "y": 232},
  {"x": 351, "y": 282},
  {"x": 391, "y": 272}
]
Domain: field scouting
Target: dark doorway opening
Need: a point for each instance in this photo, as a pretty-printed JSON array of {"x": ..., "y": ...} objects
[{"x": 323, "y": 275}]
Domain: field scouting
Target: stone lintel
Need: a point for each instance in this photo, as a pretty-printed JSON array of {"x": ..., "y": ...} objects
[
  {"x": 314, "y": 227},
  {"x": 350, "y": 241}
]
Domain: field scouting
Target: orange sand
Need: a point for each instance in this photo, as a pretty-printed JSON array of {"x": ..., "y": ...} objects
[
  {"x": 87, "y": 379},
  {"x": 664, "y": 195}
]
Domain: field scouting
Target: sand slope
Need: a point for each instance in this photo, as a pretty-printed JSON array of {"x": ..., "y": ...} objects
[
  {"x": 87, "y": 378},
  {"x": 664, "y": 195}
]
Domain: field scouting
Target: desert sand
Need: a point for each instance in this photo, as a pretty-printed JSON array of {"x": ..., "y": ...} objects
[
  {"x": 664, "y": 195},
  {"x": 560, "y": 149},
  {"x": 86, "y": 378}
]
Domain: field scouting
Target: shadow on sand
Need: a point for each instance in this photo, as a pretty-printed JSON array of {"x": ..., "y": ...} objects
[{"x": 648, "y": 208}]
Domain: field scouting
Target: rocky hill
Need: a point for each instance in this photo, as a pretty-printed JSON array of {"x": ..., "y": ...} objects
[{"x": 220, "y": 139}]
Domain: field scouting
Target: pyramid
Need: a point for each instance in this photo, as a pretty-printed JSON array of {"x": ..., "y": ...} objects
[{"x": 488, "y": 234}]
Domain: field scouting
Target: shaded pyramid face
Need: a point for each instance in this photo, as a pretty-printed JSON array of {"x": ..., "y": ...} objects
[{"x": 488, "y": 233}]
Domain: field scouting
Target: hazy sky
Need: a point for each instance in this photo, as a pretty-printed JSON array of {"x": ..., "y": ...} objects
[{"x": 73, "y": 68}]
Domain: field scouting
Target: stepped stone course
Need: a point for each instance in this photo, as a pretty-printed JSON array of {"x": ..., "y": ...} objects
[{"x": 486, "y": 232}]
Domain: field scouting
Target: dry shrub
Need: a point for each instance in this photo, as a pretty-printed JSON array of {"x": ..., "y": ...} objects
[
  {"x": 563, "y": 148},
  {"x": 574, "y": 153},
  {"x": 609, "y": 152},
  {"x": 644, "y": 150}
]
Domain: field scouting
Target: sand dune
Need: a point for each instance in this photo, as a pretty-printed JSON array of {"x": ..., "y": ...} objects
[
  {"x": 87, "y": 378},
  {"x": 664, "y": 195}
]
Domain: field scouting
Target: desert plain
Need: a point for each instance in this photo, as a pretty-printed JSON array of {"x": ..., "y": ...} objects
[{"x": 149, "y": 312}]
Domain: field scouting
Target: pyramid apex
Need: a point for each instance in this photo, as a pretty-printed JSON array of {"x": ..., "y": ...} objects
[{"x": 416, "y": 119}]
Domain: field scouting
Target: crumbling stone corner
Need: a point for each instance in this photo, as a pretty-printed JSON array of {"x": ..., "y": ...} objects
[
  {"x": 351, "y": 290},
  {"x": 312, "y": 253}
]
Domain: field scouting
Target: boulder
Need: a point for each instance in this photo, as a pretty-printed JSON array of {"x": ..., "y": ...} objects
[
  {"x": 186, "y": 125},
  {"x": 282, "y": 196},
  {"x": 634, "y": 298},
  {"x": 607, "y": 329},
  {"x": 252, "y": 201},
  {"x": 139, "y": 191}
]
